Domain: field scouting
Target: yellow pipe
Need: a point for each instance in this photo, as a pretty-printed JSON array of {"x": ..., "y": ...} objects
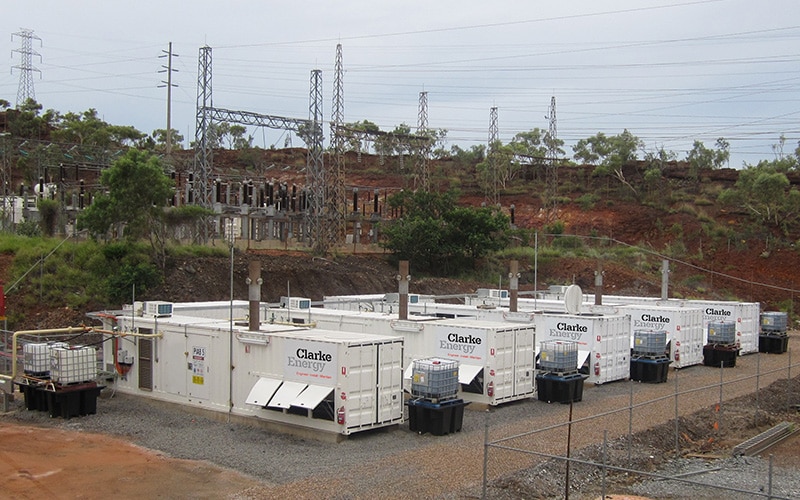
[
  {"x": 37, "y": 333},
  {"x": 68, "y": 330}
]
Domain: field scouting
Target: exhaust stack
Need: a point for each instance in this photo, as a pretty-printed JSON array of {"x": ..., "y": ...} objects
[
  {"x": 403, "y": 278},
  {"x": 254, "y": 282},
  {"x": 513, "y": 277}
]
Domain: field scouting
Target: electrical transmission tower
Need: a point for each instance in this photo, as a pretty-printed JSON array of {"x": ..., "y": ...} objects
[
  {"x": 423, "y": 151},
  {"x": 552, "y": 164},
  {"x": 168, "y": 84},
  {"x": 336, "y": 198},
  {"x": 316, "y": 216},
  {"x": 202, "y": 151},
  {"x": 25, "y": 66},
  {"x": 494, "y": 138}
]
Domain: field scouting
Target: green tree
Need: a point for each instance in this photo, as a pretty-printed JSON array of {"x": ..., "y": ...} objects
[
  {"x": 609, "y": 153},
  {"x": 439, "y": 236},
  {"x": 137, "y": 190},
  {"x": 48, "y": 215},
  {"x": 87, "y": 129},
  {"x": 767, "y": 195},
  {"x": 159, "y": 137},
  {"x": 27, "y": 120},
  {"x": 701, "y": 158}
]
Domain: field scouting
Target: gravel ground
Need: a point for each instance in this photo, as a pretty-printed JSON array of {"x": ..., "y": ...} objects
[{"x": 404, "y": 464}]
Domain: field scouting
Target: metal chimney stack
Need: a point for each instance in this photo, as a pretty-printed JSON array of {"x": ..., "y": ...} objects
[
  {"x": 403, "y": 279},
  {"x": 254, "y": 282},
  {"x": 513, "y": 278}
]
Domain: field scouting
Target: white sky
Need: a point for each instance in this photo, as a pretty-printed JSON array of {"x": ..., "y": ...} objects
[{"x": 670, "y": 71}]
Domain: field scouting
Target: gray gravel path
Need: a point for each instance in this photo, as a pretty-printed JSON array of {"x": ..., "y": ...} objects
[{"x": 403, "y": 464}]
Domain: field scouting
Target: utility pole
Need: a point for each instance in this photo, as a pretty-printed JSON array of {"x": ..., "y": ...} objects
[
  {"x": 168, "y": 70},
  {"x": 25, "y": 90}
]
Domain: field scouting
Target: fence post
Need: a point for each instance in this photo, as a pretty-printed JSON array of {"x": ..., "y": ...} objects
[
  {"x": 719, "y": 408},
  {"x": 605, "y": 444},
  {"x": 677, "y": 444},
  {"x": 789, "y": 380},
  {"x": 485, "y": 452},
  {"x": 630, "y": 423},
  {"x": 758, "y": 375}
]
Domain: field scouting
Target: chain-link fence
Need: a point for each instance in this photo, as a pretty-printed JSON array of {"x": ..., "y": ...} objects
[{"x": 590, "y": 450}]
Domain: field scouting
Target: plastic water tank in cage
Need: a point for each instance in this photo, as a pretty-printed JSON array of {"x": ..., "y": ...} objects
[
  {"x": 435, "y": 379},
  {"x": 722, "y": 332},
  {"x": 649, "y": 342},
  {"x": 774, "y": 322},
  {"x": 558, "y": 356}
]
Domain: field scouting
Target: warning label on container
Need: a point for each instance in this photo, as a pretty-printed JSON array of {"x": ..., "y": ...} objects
[{"x": 198, "y": 365}]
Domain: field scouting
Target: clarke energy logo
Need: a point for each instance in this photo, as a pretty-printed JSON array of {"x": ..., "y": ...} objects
[
  {"x": 566, "y": 329},
  {"x": 652, "y": 321},
  {"x": 308, "y": 361},
  {"x": 462, "y": 344}
]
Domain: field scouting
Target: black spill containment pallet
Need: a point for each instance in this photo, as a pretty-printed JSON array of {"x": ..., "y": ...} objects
[
  {"x": 437, "y": 418},
  {"x": 773, "y": 344},
  {"x": 560, "y": 388},
  {"x": 720, "y": 354},
  {"x": 62, "y": 401},
  {"x": 649, "y": 369}
]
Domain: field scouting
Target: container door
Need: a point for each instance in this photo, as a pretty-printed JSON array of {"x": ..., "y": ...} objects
[
  {"x": 504, "y": 368},
  {"x": 524, "y": 361},
  {"x": 197, "y": 369},
  {"x": 390, "y": 381},
  {"x": 362, "y": 380}
]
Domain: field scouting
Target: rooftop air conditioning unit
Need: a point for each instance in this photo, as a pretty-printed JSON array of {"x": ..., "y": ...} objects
[
  {"x": 492, "y": 293},
  {"x": 295, "y": 303},
  {"x": 158, "y": 309}
]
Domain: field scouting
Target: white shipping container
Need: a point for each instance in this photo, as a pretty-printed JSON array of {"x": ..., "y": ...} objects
[
  {"x": 335, "y": 382},
  {"x": 496, "y": 359},
  {"x": 341, "y": 382},
  {"x": 604, "y": 342},
  {"x": 684, "y": 327},
  {"x": 745, "y": 314},
  {"x": 73, "y": 365}
]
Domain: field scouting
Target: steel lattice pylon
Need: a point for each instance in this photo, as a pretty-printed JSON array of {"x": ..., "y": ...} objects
[
  {"x": 337, "y": 205},
  {"x": 316, "y": 214},
  {"x": 309, "y": 130},
  {"x": 203, "y": 154},
  {"x": 494, "y": 137},
  {"x": 552, "y": 164},
  {"x": 25, "y": 90},
  {"x": 423, "y": 151}
]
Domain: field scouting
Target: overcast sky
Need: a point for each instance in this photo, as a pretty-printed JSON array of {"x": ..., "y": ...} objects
[{"x": 670, "y": 71}]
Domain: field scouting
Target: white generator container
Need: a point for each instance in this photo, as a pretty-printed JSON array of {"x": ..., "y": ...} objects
[
  {"x": 330, "y": 381},
  {"x": 604, "y": 342},
  {"x": 684, "y": 327},
  {"x": 380, "y": 302},
  {"x": 479, "y": 312},
  {"x": 746, "y": 315},
  {"x": 496, "y": 360},
  {"x": 72, "y": 365},
  {"x": 340, "y": 382}
]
